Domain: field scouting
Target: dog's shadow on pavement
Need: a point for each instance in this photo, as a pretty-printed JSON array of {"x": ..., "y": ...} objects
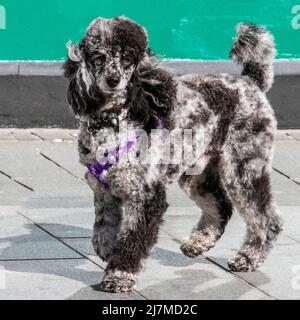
[
  {"x": 187, "y": 280},
  {"x": 170, "y": 258},
  {"x": 192, "y": 281}
]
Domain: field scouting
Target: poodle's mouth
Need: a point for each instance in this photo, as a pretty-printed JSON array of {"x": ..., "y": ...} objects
[{"x": 108, "y": 89}]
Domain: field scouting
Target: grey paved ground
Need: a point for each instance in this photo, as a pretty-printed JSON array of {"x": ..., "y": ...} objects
[{"x": 46, "y": 215}]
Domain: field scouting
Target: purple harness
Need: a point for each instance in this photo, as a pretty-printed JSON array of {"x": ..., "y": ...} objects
[{"x": 97, "y": 169}]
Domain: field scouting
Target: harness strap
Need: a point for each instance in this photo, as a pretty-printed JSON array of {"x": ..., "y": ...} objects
[{"x": 97, "y": 169}]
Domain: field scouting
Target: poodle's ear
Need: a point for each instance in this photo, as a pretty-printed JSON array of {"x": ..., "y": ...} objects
[
  {"x": 73, "y": 61},
  {"x": 153, "y": 92},
  {"x": 73, "y": 52},
  {"x": 74, "y": 99},
  {"x": 79, "y": 100},
  {"x": 70, "y": 67}
]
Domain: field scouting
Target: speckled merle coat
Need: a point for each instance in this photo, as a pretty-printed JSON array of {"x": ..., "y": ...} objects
[{"x": 112, "y": 72}]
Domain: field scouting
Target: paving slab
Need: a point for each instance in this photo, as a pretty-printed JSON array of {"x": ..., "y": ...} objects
[
  {"x": 45, "y": 176},
  {"x": 287, "y": 159},
  {"x": 291, "y": 218},
  {"x": 8, "y": 211},
  {"x": 44, "y": 200},
  {"x": 24, "y": 159},
  {"x": 72, "y": 279},
  {"x": 56, "y": 184},
  {"x": 177, "y": 198},
  {"x": 180, "y": 226},
  {"x": 63, "y": 222},
  {"x": 286, "y": 192},
  {"x": 12, "y": 193},
  {"x": 20, "y": 239},
  {"x": 66, "y": 154}
]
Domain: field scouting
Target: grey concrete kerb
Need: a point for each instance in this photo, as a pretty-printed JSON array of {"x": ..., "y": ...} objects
[{"x": 54, "y": 68}]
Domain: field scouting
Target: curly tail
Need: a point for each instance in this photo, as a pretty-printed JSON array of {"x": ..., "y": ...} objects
[{"x": 254, "y": 48}]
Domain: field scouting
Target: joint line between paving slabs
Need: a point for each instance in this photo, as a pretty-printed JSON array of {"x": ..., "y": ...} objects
[
  {"x": 61, "y": 167},
  {"x": 55, "y": 237},
  {"x": 38, "y": 136},
  {"x": 292, "y": 238},
  {"x": 286, "y": 176},
  {"x": 16, "y": 181}
]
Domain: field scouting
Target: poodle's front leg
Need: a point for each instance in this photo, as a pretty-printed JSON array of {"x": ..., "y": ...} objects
[
  {"x": 108, "y": 217},
  {"x": 142, "y": 206}
]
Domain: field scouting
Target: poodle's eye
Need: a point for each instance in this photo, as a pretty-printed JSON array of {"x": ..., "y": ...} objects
[
  {"x": 127, "y": 60},
  {"x": 100, "y": 59}
]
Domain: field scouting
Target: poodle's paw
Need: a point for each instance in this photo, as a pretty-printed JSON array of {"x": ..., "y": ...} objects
[
  {"x": 200, "y": 242},
  {"x": 242, "y": 263},
  {"x": 191, "y": 249},
  {"x": 118, "y": 281}
]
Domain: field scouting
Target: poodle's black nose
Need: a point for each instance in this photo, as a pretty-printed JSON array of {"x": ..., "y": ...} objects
[{"x": 113, "y": 80}]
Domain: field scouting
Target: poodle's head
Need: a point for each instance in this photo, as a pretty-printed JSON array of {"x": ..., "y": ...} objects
[{"x": 101, "y": 66}]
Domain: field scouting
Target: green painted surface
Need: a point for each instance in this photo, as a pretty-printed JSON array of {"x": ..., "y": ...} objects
[{"x": 183, "y": 29}]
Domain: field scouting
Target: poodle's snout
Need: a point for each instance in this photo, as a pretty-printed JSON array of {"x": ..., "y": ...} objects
[{"x": 113, "y": 80}]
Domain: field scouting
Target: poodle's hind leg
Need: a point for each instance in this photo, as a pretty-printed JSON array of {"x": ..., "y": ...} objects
[
  {"x": 207, "y": 192},
  {"x": 250, "y": 192},
  {"x": 142, "y": 206}
]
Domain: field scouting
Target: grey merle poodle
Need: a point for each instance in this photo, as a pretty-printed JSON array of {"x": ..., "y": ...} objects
[{"x": 114, "y": 77}]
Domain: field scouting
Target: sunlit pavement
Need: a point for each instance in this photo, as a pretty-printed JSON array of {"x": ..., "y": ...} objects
[{"x": 46, "y": 217}]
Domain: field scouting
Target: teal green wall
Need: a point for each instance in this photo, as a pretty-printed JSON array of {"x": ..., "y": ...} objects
[{"x": 184, "y": 29}]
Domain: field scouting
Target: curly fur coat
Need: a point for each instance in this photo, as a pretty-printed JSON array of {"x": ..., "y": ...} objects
[{"x": 115, "y": 79}]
